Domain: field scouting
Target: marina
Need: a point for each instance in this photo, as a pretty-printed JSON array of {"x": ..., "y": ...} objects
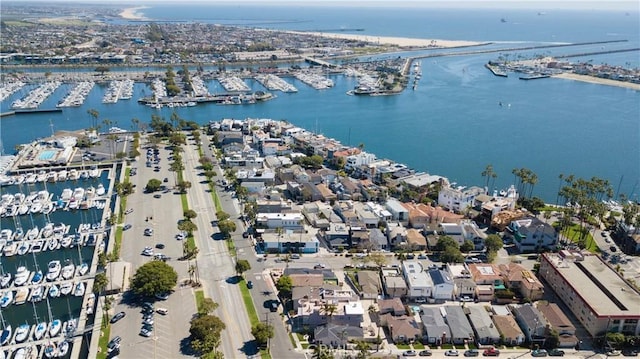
[{"x": 47, "y": 259}]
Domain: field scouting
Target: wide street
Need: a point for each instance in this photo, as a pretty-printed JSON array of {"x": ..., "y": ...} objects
[{"x": 161, "y": 215}]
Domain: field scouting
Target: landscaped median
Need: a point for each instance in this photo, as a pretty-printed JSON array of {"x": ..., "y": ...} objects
[
  {"x": 104, "y": 340},
  {"x": 251, "y": 312}
]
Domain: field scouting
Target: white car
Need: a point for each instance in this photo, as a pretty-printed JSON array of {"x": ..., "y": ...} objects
[
  {"x": 452, "y": 353},
  {"x": 147, "y": 251}
]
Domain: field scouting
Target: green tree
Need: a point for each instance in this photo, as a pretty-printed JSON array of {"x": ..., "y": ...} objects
[
  {"x": 207, "y": 306},
  {"x": 284, "y": 285},
  {"x": 445, "y": 242},
  {"x": 183, "y": 186},
  {"x": 222, "y": 215},
  {"x": 488, "y": 173},
  {"x": 186, "y": 225},
  {"x": 467, "y": 246},
  {"x": 100, "y": 282},
  {"x": 226, "y": 227},
  {"x": 451, "y": 255},
  {"x": 153, "y": 278},
  {"x": 242, "y": 265},
  {"x": 205, "y": 333},
  {"x": 363, "y": 349},
  {"x": 262, "y": 332},
  {"x": 190, "y": 214},
  {"x": 493, "y": 242},
  {"x": 378, "y": 259},
  {"x": 153, "y": 185}
]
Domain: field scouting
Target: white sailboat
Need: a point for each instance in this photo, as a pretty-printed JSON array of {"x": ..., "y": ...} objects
[
  {"x": 79, "y": 289},
  {"x": 22, "y": 333},
  {"x": 53, "y": 270},
  {"x": 5, "y": 336}
]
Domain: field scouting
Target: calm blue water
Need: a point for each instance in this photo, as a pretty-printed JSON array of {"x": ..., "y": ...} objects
[{"x": 451, "y": 124}]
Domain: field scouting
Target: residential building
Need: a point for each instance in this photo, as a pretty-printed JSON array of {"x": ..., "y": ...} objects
[
  {"x": 522, "y": 281},
  {"x": 485, "y": 331},
  {"x": 436, "y": 330},
  {"x": 458, "y": 199},
  {"x": 532, "y": 235},
  {"x": 280, "y": 220},
  {"x": 402, "y": 329},
  {"x": 337, "y": 235},
  {"x": 397, "y": 234},
  {"x": 370, "y": 284},
  {"x": 487, "y": 278},
  {"x": 532, "y": 323},
  {"x": 288, "y": 242},
  {"x": 596, "y": 294},
  {"x": 419, "y": 283},
  {"x": 465, "y": 230},
  {"x": 397, "y": 210},
  {"x": 461, "y": 331},
  {"x": 394, "y": 284},
  {"x": 509, "y": 330},
  {"x": 559, "y": 323},
  {"x": 415, "y": 240},
  {"x": 443, "y": 286},
  {"x": 337, "y": 336},
  {"x": 393, "y": 306},
  {"x": 378, "y": 240}
]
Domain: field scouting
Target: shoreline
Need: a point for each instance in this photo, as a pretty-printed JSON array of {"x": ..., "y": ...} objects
[
  {"x": 391, "y": 40},
  {"x": 597, "y": 80},
  {"x": 131, "y": 13}
]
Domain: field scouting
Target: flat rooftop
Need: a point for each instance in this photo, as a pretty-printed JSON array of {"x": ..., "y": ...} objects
[{"x": 599, "y": 286}]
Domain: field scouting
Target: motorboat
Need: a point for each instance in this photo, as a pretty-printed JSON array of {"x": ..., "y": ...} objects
[
  {"x": 32, "y": 233},
  {"x": 6, "y": 299},
  {"x": 54, "y": 327},
  {"x": 78, "y": 290},
  {"x": 23, "y": 248},
  {"x": 22, "y": 332},
  {"x": 68, "y": 270},
  {"x": 54, "y": 270},
  {"x": 66, "y": 288},
  {"x": 37, "y": 293},
  {"x": 10, "y": 249},
  {"x": 6, "y": 235},
  {"x": 21, "y": 295},
  {"x": 52, "y": 244},
  {"x": 70, "y": 327},
  {"x": 91, "y": 300},
  {"x": 5, "y": 280},
  {"x": 65, "y": 242},
  {"x": 5, "y": 336},
  {"x": 47, "y": 231},
  {"x": 83, "y": 269},
  {"x": 66, "y": 195},
  {"x": 62, "y": 175},
  {"x": 54, "y": 291},
  {"x": 37, "y": 278},
  {"x": 40, "y": 330},
  {"x": 36, "y": 246},
  {"x": 100, "y": 191},
  {"x": 50, "y": 350},
  {"x": 63, "y": 348},
  {"x": 22, "y": 276},
  {"x": 48, "y": 208}
]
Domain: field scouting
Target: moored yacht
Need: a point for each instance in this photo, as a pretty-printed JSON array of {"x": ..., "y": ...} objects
[
  {"x": 54, "y": 327},
  {"x": 22, "y": 276},
  {"x": 5, "y": 336},
  {"x": 6, "y": 299},
  {"x": 40, "y": 330},
  {"x": 5, "y": 280},
  {"x": 54, "y": 291},
  {"x": 22, "y": 333},
  {"x": 66, "y": 288},
  {"x": 78, "y": 290},
  {"x": 68, "y": 270},
  {"x": 53, "y": 271}
]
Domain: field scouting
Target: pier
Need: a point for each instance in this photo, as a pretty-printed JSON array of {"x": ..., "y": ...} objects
[
  {"x": 315, "y": 61},
  {"x": 37, "y": 110},
  {"x": 495, "y": 70}
]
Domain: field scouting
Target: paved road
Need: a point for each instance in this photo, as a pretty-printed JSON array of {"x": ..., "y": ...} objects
[
  {"x": 263, "y": 290},
  {"x": 171, "y": 329},
  {"x": 216, "y": 266}
]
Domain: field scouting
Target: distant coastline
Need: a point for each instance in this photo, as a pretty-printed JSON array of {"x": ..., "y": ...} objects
[
  {"x": 598, "y": 81},
  {"x": 131, "y": 13}
]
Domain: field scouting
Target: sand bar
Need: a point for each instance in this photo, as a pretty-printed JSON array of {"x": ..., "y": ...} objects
[
  {"x": 597, "y": 80},
  {"x": 397, "y": 41},
  {"x": 131, "y": 13}
]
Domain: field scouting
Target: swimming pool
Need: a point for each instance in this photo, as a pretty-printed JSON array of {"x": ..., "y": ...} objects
[{"x": 46, "y": 155}]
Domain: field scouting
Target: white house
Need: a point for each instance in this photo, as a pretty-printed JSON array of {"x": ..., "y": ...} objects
[
  {"x": 362, "y": 158},
  {"x": 280, "y": 220},
  {"x": 420, "y": 285},
  {"x": 531, "y": 234},
  {"x": 443, "y": 286},
  {"x": 459, "y": 198}
]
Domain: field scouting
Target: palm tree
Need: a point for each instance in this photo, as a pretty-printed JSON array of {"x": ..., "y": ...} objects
[
  {"x": 329, "y": 309},
  {"x": 94, "y": 114},
  {"x": 488, "y": 173}
]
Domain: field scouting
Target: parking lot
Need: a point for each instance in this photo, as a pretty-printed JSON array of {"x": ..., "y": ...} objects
[{"x": 152, "y": 222}]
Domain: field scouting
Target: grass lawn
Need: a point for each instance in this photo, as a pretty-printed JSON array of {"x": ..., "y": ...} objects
[
  {"x": 446, "y": 346},
  {"x": 251, "y": 311},
  {"x": 418, "y": 346},
  {"x": 103, "y": 341},
  {"x": 185, "y": 203},
  {"x": 403, "y": 346},
  {"x": 293, "y": 341},
  {"x": 199, "y": 298},
  {"x": 573, "y": 233},
  {"x": 116, "y": 247}
]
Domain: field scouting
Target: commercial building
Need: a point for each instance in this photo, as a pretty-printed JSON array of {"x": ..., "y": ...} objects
[{"x": 594, "y": 292}]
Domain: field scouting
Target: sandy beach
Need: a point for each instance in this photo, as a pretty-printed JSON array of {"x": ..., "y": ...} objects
[
  {"x": 397, "y": 41},
  {"x": 597, "y": 80},
  {"x": 131, "y": 13}
]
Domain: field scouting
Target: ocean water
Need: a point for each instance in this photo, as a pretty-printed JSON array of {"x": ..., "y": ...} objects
[{"x": 451, "y": 124}]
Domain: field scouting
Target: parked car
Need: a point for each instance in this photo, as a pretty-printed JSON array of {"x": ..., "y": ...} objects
[
  {"x": 163, "y": 311},
  {"x": 114, "y": 344},
  {"x": 491, "y": 352},
  {"x": 613, "y": 353},
  {"x": 160, "y": 246},
  {"x": 148, "y": 320},
  {"x": 425, "y": 353},
  {"x": 126, "y": 227},
  {"x": 117, "y": 317},
  {"x": 409, "y": 353},
  {"x": 630, "y": 352},
  {"x": 162, "y": 296},
  {"x": 539, "y": 353},
  {"x": 451, "y": 353},
  {"x": 148, "y": 231},
  {"x": 273, "y": 306},
  {"x": 556, "y": 353},
  {"x": 471, "y": 353},
  {"x": 146, "y": 332},
  {"x": 147, "y": 251},
  {"x": 249, "y": 284}
]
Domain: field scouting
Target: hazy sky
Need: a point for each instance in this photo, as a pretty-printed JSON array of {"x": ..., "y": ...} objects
[{"x": 538, "y": 4}]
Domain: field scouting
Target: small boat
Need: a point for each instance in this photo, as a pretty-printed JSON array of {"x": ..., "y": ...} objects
[
  {"x": 22, "y": 276},
  {"x": 54, "y": 291},
  {"x": 83, "y": 269},
  {"x": 24, "y": 248},
  {"x": 66, "y": 288},
  {"x": 91, "y": 301},
  {"x": 54, "y": 328},
  {"x": 5, "y": 280},
  {"x": 32, "y": 233},
  {"x": 50, "y": 350},
  {"x": 21, "y": 295},
  {"x": 52, "y": 244},
  {"x": 37, "y": 278},
  {"x": 62, "y": 175},
  {"x": 78, "y": 290},
  {"x": 100, "y": 191},
  {"x": 54, "y": 270},
  {"x": 5, "y": 336},
  {"x": 48, "y": 208},
  {"x": 37, "y": 293},
  {"x": 65, "y": 242},
  {"x": 10, "y": 249},
  {"x": 36, "y": 246},
  {"x": 63, "y": 348},
  {"x": 41, "y": 329},
  {"x": 47, "y": 231},
  {"x": 22, "y": 333},
  {"x": 20, "y": 353},
  {"x": 68, "y": 270},
  {"x": 6, "y": 299},
  {"x": 70, "y": 327}
]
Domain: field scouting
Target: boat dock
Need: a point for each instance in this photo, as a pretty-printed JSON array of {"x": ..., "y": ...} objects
[
  {"x": 495, "y": 70},
  {"x": 534, "y": 77}
]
